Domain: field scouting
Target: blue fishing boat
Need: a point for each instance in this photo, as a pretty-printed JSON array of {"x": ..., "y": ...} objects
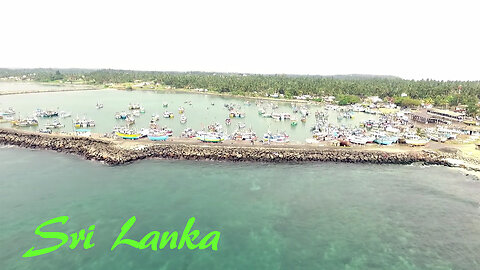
[
  {"x": 386, "y": 140},
  {"x": 156, "y": 135}
]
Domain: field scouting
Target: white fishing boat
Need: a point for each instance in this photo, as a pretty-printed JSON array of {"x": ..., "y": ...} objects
[
  {"x": 45, "y": 130},
  {"x": 155, "y": 118},
  {"x": 83, "y": 123},
  {"x": 168, "y": 114},
  {"x": 25, "y": 122},
  {"x": 414, "y": 140},
  {"x": 63, "y": 114},
  {"x": 83, "y": 133},
  {"x": 54, "y": 124},
  {"x": 362, "y": 140},
  {"x": 212, "y": 137},
  {"x": 280, "y": 137},
  {"x": 183, "y": 119},
  {"x": 99, "y": 105}
]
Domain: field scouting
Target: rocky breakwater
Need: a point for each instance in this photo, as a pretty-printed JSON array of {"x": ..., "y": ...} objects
[{"x": 110, "y": 152}]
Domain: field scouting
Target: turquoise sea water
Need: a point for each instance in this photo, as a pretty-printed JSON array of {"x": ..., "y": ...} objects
[{"x": 271, "y": 216}]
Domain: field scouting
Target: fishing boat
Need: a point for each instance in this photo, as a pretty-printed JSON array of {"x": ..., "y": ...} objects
[
  {"x": 248, "y": 135},
  {"x": 228, "y": 121},
  {"x": 54, "y": 124},
  {"x": 215, "y": 127},
  {"x": 157, "y": 135},
  {"x": 155, "y": 118},
  {"x": 294, "y": 122},
  {"x": 45, "y": 130},
  {"x": 63, "y": 114},
  {"x": 83, "y": 123},
  {"x": 280, "y": 137},
  {"x": 356, "y": 139},
  {"x": 437, "y": 138},
  {"x": 142, "y": 110},
  {"x": 416, "y": 140},
  {"x": 45, "y": 114},
  {"x": 128, "y": 134},
  {"x": 188, "y": 133},
  {"x": 130, "y": 120},
  {"x": 211, "y": 137},
  {"x": 167, "y": 131},
  {"x": 181, "y": 110},
  {"x": 83, "y": 132},
  {"x": 134, "y": 106},
  {"x": 122, "y": 115},
  {"x": 167, "y": 114},
  {"x": 183, "y": 119},
  {"x": 385, "y": 140},
  {"x": 165, "y": 104},
  {"x": 136, "y": 113},
  {"x": 234, "y": 114},
  {"x": 26, "y": 122},
  {"x": 9, "y": 112},
  {"x": 303, "y": 119},
  {"x": 99, "y": 105}
]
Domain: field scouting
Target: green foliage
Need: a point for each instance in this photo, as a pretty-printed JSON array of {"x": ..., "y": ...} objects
[
  {"x": 347, "y": 99},
  {"x": 441, "y": 92},
  {"x": 407, "y": 102}
]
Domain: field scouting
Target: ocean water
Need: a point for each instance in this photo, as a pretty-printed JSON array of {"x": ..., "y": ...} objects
[
  {"x": 200, "y": 114},
  {"x": 271, "y": 216}
]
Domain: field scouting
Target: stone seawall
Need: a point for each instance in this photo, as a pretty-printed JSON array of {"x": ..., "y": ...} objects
[{"x": 114, "y": 154}]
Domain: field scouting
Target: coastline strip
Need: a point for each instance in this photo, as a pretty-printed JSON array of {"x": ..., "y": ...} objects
[{"x": 112, "y": 153}]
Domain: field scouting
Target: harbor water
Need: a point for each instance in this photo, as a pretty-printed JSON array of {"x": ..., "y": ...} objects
[
  {"x": 271, "y": 216},
  {"x": 201, "y": 110}
]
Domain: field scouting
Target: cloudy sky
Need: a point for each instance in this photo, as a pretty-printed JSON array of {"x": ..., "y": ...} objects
[{"x": 411, "y": 39}]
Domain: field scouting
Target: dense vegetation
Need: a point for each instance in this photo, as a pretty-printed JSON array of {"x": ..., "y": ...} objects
[{"x": 346, "y": 88}]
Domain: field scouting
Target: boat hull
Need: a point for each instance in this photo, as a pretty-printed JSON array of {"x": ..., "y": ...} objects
[
  {"x": 158, "y": 138},
  {"x": 128, "y": 136}
]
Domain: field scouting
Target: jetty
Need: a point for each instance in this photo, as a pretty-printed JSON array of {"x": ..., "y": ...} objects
[{"x": 115, "y": 152}]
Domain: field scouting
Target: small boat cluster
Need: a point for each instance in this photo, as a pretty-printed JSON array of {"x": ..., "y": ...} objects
[{"x": 381, "y": 129}]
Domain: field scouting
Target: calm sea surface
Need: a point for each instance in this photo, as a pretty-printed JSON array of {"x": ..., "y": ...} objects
[
  {"x": 200, "y": 114},
  {"x": 271, "y": 216}
]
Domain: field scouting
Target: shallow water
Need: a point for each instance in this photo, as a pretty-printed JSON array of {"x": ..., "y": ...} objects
[
  {"x": 271, "y": 216},
  {"x": 200, "y": 114}
]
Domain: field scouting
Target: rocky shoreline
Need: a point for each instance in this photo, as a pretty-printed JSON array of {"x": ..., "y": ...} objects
[{"x": 106, "y": 150}]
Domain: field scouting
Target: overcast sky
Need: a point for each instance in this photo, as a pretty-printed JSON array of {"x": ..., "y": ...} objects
[{"x": 411, "y": 39}]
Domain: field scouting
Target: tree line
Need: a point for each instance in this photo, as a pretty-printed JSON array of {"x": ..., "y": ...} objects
[{"x": 440, "y": 93}]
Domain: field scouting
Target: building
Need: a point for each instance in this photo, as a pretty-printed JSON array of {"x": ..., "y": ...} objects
[
  {"x": 425, "y": 118},
  {"x": 446, "y": 114}
]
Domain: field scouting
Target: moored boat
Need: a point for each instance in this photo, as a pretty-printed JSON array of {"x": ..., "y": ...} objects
[
  {"x": 416, "y": 141},
  {"x": 212, "y": 137},
  {"x": 168, "y": 114},
  {"x": 26, "y": 122},
  {"x": 183, "y": 119},
  {"x": 280, "y": 137},
  {"x": 157, "y": 135},
  {"x": 128, "y": 134}
]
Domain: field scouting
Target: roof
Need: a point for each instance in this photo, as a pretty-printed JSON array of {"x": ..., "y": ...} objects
[{"x": 446, "y": 112}]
